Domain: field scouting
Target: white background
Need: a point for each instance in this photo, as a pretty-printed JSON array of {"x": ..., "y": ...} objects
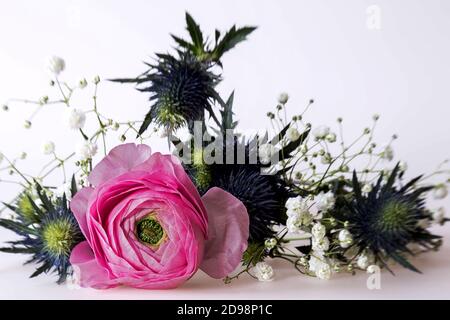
[{"x": 310, "y": 49}]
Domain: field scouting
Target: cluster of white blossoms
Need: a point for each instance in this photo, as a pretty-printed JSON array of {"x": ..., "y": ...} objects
[
  {"x": 86, "y": 150},
  {"x": 387, "y": 153},
  {"x": 76, "y": 119},
  {"x": 299, "y": 214},
  {"x": 264, "y": 272},
  {"x": 318, "y": 263},
  {"x": 324, "y": 133},
  {"x": 325, "y": 201}
]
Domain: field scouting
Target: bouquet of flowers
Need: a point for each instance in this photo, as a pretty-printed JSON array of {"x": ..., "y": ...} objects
[{"x": 223, "y": 202}]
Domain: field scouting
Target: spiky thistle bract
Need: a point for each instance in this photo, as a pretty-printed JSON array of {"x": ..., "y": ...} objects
[
  {"x": 387, "y": 219},
  {"x": 182, "y": 86},
  {"x": 49, "y": 239}
]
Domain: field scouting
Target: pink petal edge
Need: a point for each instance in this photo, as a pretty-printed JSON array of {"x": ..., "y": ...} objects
[
  {"x": 119, "y": 160},
  {"x": 228, "y": 233}
]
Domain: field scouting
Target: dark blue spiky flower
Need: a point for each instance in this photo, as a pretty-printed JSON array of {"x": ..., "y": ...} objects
[
  {"x": 182, "y": 86},
  {"x": 48, "y": 232},
  {"x": 387, "y": 220}
]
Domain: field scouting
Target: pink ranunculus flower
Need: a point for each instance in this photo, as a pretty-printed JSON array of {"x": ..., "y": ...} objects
[{"x": 146, "y": 225}]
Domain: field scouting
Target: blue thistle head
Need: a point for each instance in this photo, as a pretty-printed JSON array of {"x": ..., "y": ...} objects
[
  {"x": 182, "y": 86},
  {"x": 386, "y": 220},
  {"x": 50, "y": 239}
]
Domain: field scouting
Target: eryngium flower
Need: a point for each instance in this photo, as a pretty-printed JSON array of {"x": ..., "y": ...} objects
[
  {"x": 181, "y": 88},
  {"x": 264, "y": 195},
  {"x": 387, "y": 219},
  {"x": 50, "y": 239}
]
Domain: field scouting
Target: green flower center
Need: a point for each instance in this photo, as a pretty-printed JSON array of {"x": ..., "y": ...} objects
[
  {"x": 150, "y": 231},
  {"x": 395, "y": 215},
  {"x": 58, "y": 237}
]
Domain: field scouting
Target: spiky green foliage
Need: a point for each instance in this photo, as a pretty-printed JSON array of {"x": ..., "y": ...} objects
[
  {"x": 387, "y": 220},
  {"x": 203, "y": 49},
  {"x": 182, "y": 86},
  {"x": 49, "y": 239}
]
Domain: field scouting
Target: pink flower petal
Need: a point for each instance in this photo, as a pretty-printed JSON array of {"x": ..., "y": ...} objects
[
  {"x": 121, "y": 159},
  {"x": 90, "y": 273},
  {"x": 228, "y": 233},
  {"x": 79, "y": 206}
]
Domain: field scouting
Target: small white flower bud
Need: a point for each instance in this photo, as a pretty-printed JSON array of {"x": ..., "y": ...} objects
[
  {"x": 76, "y": 119},
  {"x": 56, "y": 65},
  {"x": 283, "y": 98},
  {"x": 440, "y": 191},
  {"x": 292, "y": 134},
  {"x": 48, "y": 147}
]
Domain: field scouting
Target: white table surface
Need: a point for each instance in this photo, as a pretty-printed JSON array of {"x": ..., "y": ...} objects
[{"x": 434, "y": 283}]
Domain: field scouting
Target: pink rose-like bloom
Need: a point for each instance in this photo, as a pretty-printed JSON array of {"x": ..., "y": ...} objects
[{"x": 146, "y": 225}]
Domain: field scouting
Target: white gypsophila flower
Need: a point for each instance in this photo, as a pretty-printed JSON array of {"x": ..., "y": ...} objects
[
  {"x": 48, "y": 147},
  {"x": 323, "y": 272},
  {"x": 363, "y": 261},
  {"x": 319, "y": 265},
  {"x": 296, "y": 206},
  {"x": 320, "y": 245},
  {"x": 294, "y": 223},
  {"x": 367, "y": 188},
  {"x": 345, "y": 238},
  {"x": 292, "y": 134},
  {"x": 387, "y": 153},
  {"x": 56, "y": 65},
  {"x": 86, "y": 150},
  {"x": 321, "y": 132},
  {"x": 318, "y": 230},
  {"x": 440, "y": 191},
  {"x": 403, "y": 166},
  {"x": 331, "y": 137},
  {"x": 283, "y": 98},
  {"x": 270, "y": 243},
  {"x": 372, "y": 268},
  {"x": 439, "y": 216},
  {"x": 266, "y": 152},
  {"x": 315, "y": 259},
  {"x": 76, "y": 119},
  {"x": 325, "y": 201},
  {"x": 264, "y": 272}
]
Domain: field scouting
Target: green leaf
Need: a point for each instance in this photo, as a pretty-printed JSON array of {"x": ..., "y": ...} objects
[
  {"x": 231, "y": 39},
  {"x": 194, "y": 31},
  {"x": 145, "y": 124},
  {"x": 181, "y": 42},
  {"x": 403, "y": 262},
  {"x": 16, "y": 227},
  {"x": 73, "y": 186},
  {"x": 11, "y": 207},
  {"x": 44, "y": 268},
  {"x": 48, "y": 205},
  {"x": 227, "y": 113},
  {"x": 36, "y": 208},
  {"x": 17, "y": 250}
]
